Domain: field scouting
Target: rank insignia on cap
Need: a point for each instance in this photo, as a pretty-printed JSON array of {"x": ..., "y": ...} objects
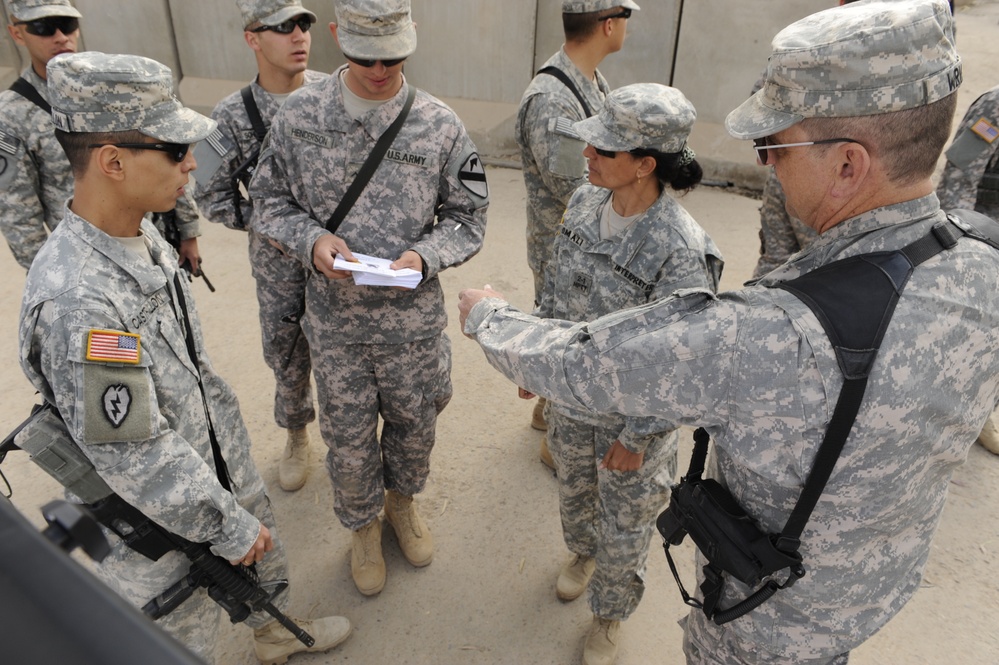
[
  {"x": 113, "y": 346},
  {"x": 986, "y": 130}
]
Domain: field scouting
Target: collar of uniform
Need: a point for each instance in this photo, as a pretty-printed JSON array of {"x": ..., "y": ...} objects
[
  {"x": 149, "y": 280},
  {"x": 622, "y": 253},
  {"x": 904, "y": 222},
  {"x": 376, "y": 122}
]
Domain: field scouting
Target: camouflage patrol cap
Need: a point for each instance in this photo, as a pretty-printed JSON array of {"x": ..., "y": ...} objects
[
  {"x": 375, "y": 29},
  {"x": 97, "y": 92},
  {"x": 271, "y": 12},
  {"x": 587, "y": 6},
  {"x": 31, "y": 10},
  {"x": 642, "y": 115},
  {"x": 863, "y": 58}
]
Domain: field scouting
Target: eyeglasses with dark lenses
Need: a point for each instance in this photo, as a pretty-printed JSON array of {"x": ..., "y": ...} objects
[
  {"x": 46, "y": 27},
  {"x": 288, "y": 27},
  {"x": 625, "y": 13},
  {"x": 763, "y": 148},
  {"x": 609, "y": 154},
  {"x": 371, "y": 63},
  {"x": 176, "y": 151}
]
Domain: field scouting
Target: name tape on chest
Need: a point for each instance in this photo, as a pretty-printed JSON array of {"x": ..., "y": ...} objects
[
  {"x": 986, "y": 130},
  {"x": 316, "y": 138},
  {"x": 113, "y": 346}
]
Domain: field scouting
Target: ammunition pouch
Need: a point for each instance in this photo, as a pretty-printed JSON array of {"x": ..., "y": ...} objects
[{"x": 45, "y": 438}]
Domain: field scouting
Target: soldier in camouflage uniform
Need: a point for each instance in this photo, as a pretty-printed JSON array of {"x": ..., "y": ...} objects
[
  {"x": 624, "y": 241},
  {"x": 970, "y": 181},
  {"x": 550, "y": 152},
  {"x": 376, "y": 351},
  {"x": 755, "y": 367},
  {"x": 104, "y": 336},
  {"x": 282, "y": 58},
  {"x": 35, "y": 179}
]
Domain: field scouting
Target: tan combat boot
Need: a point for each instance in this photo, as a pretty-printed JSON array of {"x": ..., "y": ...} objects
[
  {"x": 574, "y": 577},
  {"x": 414, "y": 537},
  {"x": 274, "y": 643},
  {"x": 546, "y": 455},
  {"x": 601, "y": 644},
  {"x": 538, "y": 416},
  {"x": 989, "y": 438},
  {"x": 293, "y": 468},
  {"x": 366, "y": 563}
]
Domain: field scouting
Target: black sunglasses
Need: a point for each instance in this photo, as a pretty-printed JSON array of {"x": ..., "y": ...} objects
[
  {"x": 371, "y": 63},
  {"x": 609, "y": 154},
  {"x": 288, "y": 27},
  {"x": 46, "y": 27},
  {"x": 177, "y": 151},
  {"x": 625, "y": 13}
]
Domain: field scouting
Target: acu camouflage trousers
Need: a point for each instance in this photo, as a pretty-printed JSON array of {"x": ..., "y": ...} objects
[
  {"x": 405, "y": 384},
  {"x": 281, "y": 283},
  {"x": 609, "y": 515}
]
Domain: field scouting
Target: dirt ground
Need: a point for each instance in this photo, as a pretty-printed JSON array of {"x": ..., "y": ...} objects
[{"x": 488, "y": 598}]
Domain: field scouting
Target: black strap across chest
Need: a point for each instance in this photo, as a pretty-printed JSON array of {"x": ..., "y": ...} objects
[
  {"x": 24, "y": 88},
  {"x": 253, "y": 111},
  {"x": 854, "y": 300},
  {"x": 551, "y": 70}
]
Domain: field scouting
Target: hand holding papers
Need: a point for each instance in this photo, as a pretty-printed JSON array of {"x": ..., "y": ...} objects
[{"x": 374, "y": 271}]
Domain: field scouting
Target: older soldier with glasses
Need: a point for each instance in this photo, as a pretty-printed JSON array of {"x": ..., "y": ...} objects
[
  {"x": 277, "y": 31},
  {"x": 855, "y": 109}
]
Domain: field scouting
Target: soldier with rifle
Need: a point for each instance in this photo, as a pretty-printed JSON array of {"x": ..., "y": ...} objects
[{"x": 110, "y": 338}]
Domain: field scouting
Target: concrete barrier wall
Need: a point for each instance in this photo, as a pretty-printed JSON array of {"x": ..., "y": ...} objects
[{"x": 484, "y": 50}]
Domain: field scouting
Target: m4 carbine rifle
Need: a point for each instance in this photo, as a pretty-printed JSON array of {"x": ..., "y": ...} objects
[{"x": 235, "y": 588}]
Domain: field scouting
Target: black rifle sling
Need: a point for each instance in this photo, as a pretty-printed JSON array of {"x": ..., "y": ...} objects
[
  {"x": 24, "y": 88},
  {"x": 259, "y": 128},
  {"x": 370, "y": 165},
  {"x": 855, "y": 327},
  {"x": 221, "y": 470},
  {"x": 564, "y": 78}
]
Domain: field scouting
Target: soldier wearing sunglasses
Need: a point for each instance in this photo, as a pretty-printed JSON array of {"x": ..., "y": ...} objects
[
  {"x": 376, "y": 351},
  {"x": 35, "y": 178},
  {"x": 551, "y": 153},
  {"x": 277, "y": 31}
]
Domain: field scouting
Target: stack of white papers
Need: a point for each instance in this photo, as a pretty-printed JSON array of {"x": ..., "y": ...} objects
[{"x": 374, "y": 271}]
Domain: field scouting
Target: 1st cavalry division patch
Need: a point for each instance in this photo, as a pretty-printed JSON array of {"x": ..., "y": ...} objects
[{"x": 113, "y": 346}]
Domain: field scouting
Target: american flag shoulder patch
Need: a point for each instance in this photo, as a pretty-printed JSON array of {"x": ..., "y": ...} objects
[
  {"x": 113, "y": 346},
  {"x": 986, "y": 130}
]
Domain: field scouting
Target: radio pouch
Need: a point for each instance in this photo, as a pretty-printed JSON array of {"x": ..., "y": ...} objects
[{"x": 854, "y": 300}]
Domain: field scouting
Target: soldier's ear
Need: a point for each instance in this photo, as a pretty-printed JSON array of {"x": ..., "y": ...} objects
[
  {"x": 333, "y": 32},
  {"x": 106, "y": 160}
]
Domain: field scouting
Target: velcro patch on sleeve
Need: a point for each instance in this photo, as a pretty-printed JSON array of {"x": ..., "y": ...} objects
[
  {"x": 113, "y": 346},
  {"x": 986, "y": 130}
]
